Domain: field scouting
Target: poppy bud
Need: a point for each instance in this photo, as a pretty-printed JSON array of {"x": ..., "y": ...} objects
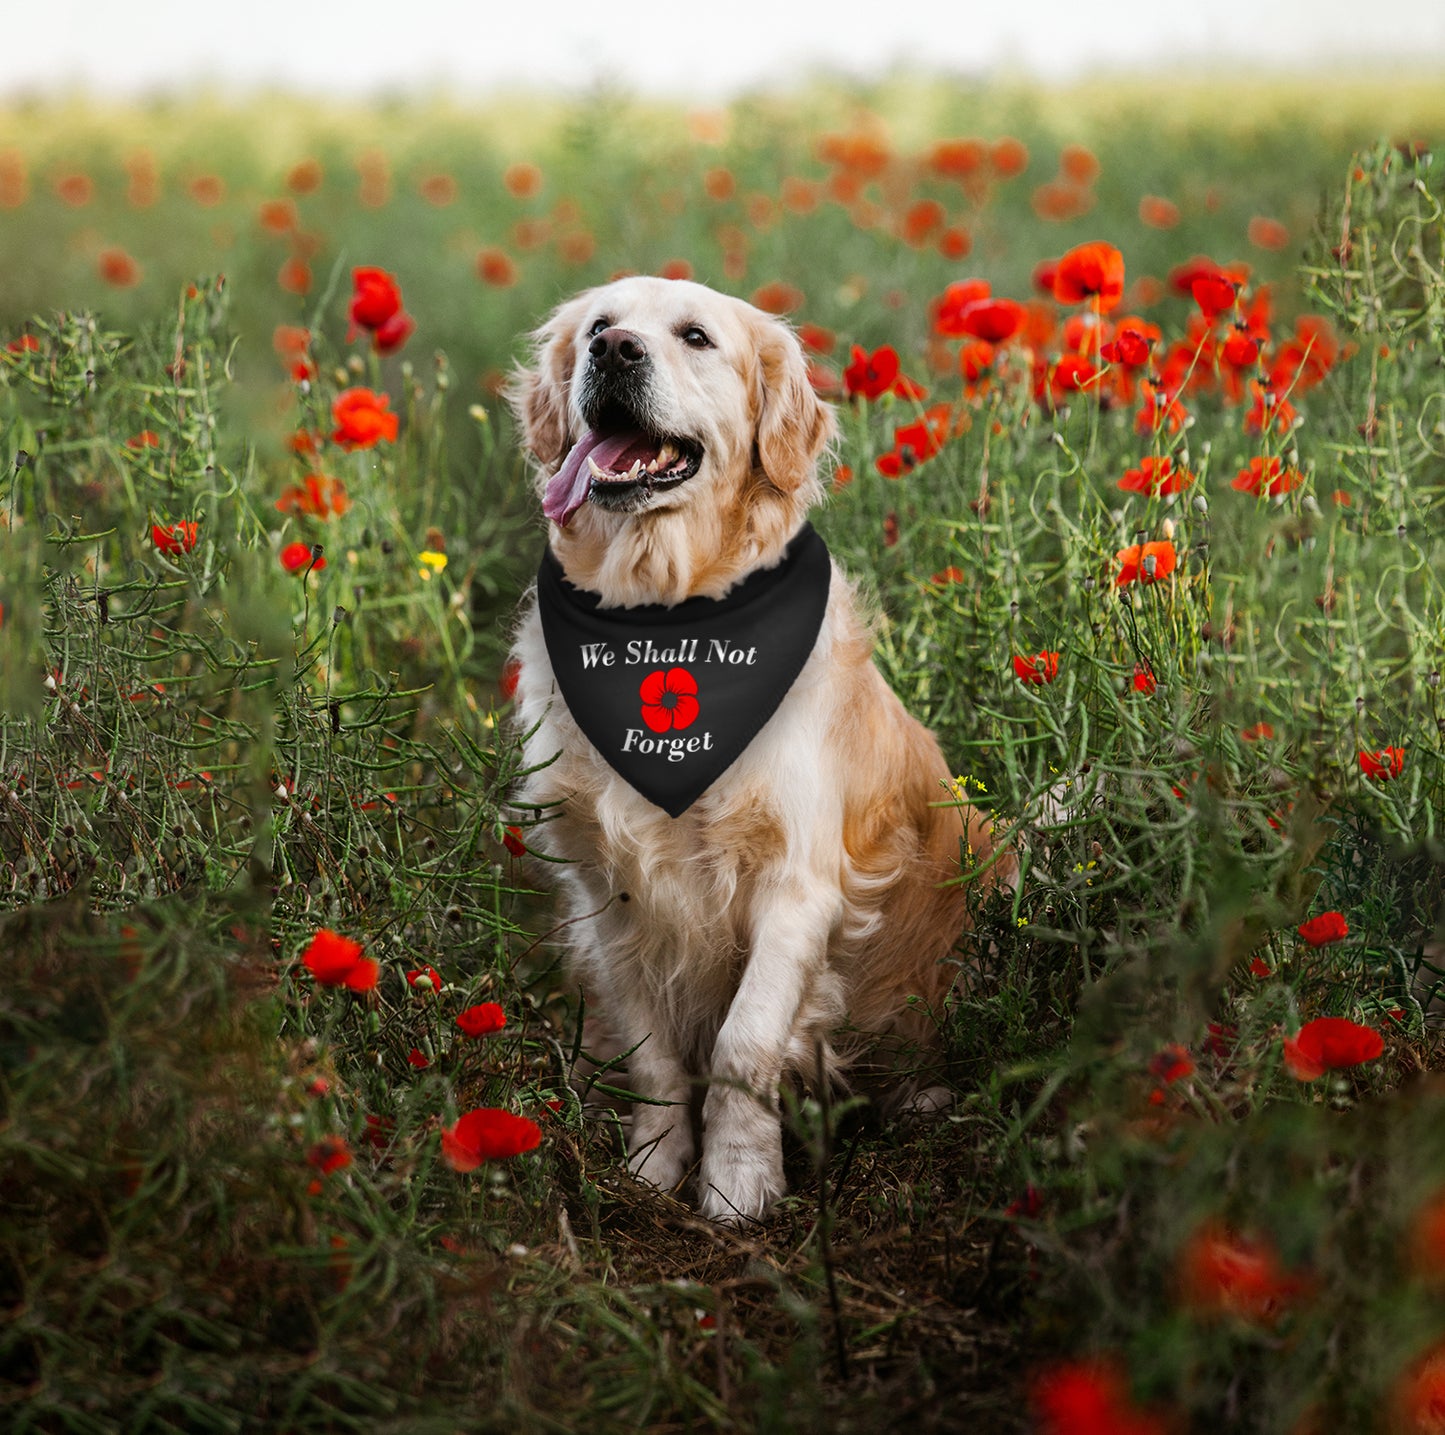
[
  {"x": 1434, "y": 678},
  {"x": 1201, "y": 504},
  {"x": 1400, "y": 532}
]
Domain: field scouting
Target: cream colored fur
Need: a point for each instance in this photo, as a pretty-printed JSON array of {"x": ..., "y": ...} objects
[{"x": 814, "y": 886}]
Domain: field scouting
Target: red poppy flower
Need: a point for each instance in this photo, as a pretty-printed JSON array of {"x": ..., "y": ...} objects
[
  {"x": 417, "y": 1057},
  {"x": 298, "y": 556},
  {"x": 482, "y": 1020},
  {"x": 816, "y": 338},
  {"x": 1330, "y": 1043},
  {"x": 512, "y": 840},
  {"x": 1427, "y": 1239},
  {"x": 329, "y": 1154},
  {"x": 975, "y": 360},
  {"x": 375, "y": 298},
  {"x": 1093, "y": 271},
  {"x": 1258, "y": 967},
  {"x": 1144, "y": 681},
  {"x": 1036, "y": 671},
  {"x": 336, "y": 961},
  {"x": 511, "y": 674},
  {"x": 362, "y": 419},
  {"x": 1384, "y": 764},
  {"x": 1240, "y": 348},
  {"x": 1132, "y": 342},
  {"x": 393, "y": 334},
  {"x": 950, "y": 306},
  {"x": 1070, "y": 374},
  {"x": 1147, "y": 562},
  {"x": 1215, "y": 294},
  {"x": 118, "y": 268},
  {"x": 175, "y": 538},
  {"x": 487, "y": 1135},
  {"x": 1267, "y": 477},
  {"x": 1157, "y": 212},
  {"x": 1156, "y": 476},
  {"x": 1266, "y": 233},
  {"x": 948, "y": 575},
  {"x": 870, "y": 376},
  {"x": 1171, "y": 1064},
  {"x": 496, "y": 267},
  {"x": 1326, "y": 928},
  {"x": 669, "y": 699},
  {"x": 1088, "y": 1398},
  {"x": 1225, "y": 1274},
  {"x": 1417, "y": 1399},
  {"x": 917, "y": 442},
  {"x": 146, "y": 438},
  {"x": 778, "y": 298},
  {"x": 1259, "y": 731},
  {"x": 317, "y": 495},
  {"x": 992, "y": 320},
  {"x": 424, "y": 981},
  {"x": 25, "y": 344}
]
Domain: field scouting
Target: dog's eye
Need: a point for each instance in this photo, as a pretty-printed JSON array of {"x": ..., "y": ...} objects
[
  {"x": 597, "y": 328},
  {"x": 696, "y": 338}
]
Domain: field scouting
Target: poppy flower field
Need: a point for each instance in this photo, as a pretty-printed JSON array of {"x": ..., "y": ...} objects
[{"x": 1141, "y": 469}]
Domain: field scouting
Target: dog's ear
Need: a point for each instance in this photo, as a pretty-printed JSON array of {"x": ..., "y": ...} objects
[
  {"x": 793, "y": 424},
  {"x": 539, "y": 395}
]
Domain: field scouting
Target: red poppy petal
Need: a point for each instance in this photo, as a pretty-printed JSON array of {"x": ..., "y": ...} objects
[
  {"x": 679, "y": 680},
  {"x": 658, "y": 718},
  {"x": 653, "y": 687},
  {"x": 684, "y": 713}
]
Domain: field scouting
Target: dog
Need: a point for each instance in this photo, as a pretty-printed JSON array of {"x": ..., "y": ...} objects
[{"x": 814, "y": 887}]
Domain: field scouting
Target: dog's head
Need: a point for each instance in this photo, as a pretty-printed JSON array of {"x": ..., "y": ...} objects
[{"x": 673, "y": 427}]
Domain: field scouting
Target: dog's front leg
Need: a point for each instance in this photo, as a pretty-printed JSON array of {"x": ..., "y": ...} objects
[{"x": 742, "y": 1156}]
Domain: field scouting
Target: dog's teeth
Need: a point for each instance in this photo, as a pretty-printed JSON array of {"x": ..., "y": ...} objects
[
  {"x": 635, "y": 470},
  {"x": 596, "y": 472}
]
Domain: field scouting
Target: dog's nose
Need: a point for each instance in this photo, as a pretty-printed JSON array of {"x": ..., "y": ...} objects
[{"x": 617, "y": 349}]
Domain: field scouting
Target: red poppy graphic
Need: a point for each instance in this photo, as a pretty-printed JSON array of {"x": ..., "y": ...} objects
[{"x": 669, "y": 699}]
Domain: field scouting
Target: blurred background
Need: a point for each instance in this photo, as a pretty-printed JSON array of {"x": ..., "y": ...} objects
[{"x": 647, "y": 46}]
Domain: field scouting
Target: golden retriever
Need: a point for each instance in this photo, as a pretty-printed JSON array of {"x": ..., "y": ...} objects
[{"x": 814, "y": 887}]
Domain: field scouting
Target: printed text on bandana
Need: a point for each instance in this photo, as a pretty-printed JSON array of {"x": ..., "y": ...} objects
[{"x": 668, "y": 698}]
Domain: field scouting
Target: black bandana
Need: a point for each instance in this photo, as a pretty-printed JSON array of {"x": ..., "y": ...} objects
[{"x": 671, "y": 696}]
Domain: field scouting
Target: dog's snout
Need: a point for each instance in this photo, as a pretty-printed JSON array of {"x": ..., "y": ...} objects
[{"x": 617, "y": 349}]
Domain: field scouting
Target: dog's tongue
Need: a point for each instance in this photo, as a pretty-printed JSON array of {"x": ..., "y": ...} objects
[{"x": 568, "y": 488}]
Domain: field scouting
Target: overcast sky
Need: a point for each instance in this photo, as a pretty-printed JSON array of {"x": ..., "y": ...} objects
[{"x": 671, "y": 46}]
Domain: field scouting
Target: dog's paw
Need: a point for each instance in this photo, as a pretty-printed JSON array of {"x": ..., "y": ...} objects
[
  {"x": 742, "y": 1158},
  {"x": 740, "y": 1186},
  {"x": 924, "y": 1105}
]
